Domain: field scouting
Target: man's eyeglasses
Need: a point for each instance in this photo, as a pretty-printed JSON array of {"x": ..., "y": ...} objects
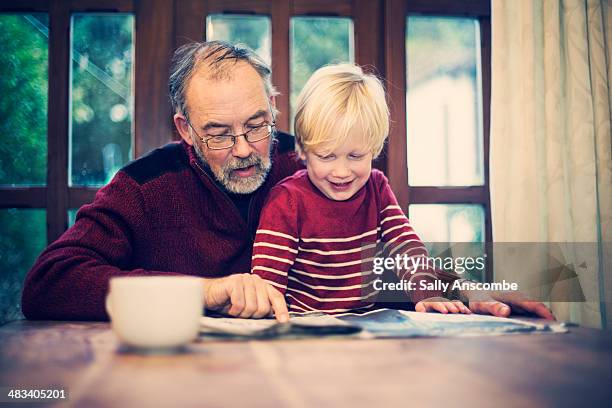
[{"x": 227, "y": 140}]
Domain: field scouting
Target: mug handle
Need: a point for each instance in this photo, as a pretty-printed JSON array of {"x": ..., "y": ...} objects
[{"x": 109, "y": 305}]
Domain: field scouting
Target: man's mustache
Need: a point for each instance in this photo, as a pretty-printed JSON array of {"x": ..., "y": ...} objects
[{"x": 238, "y": 163}]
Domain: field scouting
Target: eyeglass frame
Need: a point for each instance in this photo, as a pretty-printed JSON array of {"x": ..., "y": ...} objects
[{"x": 271, "y": 127}]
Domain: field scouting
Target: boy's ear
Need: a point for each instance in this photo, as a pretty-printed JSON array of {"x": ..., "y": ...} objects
[{"x": 300, "y": 152}]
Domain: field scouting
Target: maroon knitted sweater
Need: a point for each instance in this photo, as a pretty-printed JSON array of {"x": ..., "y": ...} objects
[{"x": 161, "y": 214}]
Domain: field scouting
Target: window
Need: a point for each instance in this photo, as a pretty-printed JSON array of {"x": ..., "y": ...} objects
[
  {"x": 315, "y": 42},
  {"x": 23, "y": 238},
  {"x": 24, "y": 54},
  {"x": 460, "y": 225},
  {"x": 101, "y": 97},
  {"x": 438, "y": 71},
  {"x": 252, "y": 30},
  {"x": 68, "y": 124},
  {"x": 23, "y": 151},
  {"x": 443, "y": 101},
  {"x": 301, "y": 36}
]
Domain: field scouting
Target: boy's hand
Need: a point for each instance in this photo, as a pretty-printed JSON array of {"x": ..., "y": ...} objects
[{"x": 442, "y": 305}]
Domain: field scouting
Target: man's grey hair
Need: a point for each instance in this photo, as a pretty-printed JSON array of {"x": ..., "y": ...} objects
[{"x": 219, "y": 56}]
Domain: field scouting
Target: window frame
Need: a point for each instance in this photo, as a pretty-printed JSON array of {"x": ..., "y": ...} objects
[
  {"x": 152, "y": 48},
  {"x": 367, "y": 23},
  {"x": 396, "y": 13},
  {"x": 161, "y": 26}
]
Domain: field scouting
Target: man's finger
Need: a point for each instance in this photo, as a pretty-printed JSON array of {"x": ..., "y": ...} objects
[
  {"x": 263, "y": 301},
  {"x": 250, "y": 297},
  {"x": 498, "y": 309},
  {"x": 279, "y": 306},
  {"x": 537, "y": 308},
  {"x": 236, "y": 295}
]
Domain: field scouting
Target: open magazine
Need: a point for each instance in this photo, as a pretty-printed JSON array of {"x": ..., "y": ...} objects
[{"x": 382, "y": 323}]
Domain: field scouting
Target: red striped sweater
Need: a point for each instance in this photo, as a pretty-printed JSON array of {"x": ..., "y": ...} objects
[{"x": 318, "y": 252}]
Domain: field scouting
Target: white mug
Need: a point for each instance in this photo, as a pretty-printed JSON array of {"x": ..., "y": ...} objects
[{"x": 155, "y": 311}]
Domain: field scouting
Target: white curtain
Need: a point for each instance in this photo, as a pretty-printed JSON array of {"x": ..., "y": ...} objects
[{"x": 550, "y": 159}]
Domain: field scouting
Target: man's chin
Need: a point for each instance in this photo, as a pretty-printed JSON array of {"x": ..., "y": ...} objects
[{"x": 245, "y": 185}]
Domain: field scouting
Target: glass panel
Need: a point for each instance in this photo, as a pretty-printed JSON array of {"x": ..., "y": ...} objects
[
  {"x": 315, "y": 42},
  {"x": 253, "y": 31},
  {"x": 443, "y": 102},
  {"x": 23, "y": 238},
  {"x": 442, "y": 226},
  {"x": 72, "y": 216},
  {"x": 448, "y": 222},
  {"x": 23, "y": 98},
  {"x": 102, "y": 97}
]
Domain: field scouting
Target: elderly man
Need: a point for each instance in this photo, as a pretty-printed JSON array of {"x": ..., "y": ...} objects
[
  {"x": 186, "y": 208},
  {"x": 190, "y": 207}
]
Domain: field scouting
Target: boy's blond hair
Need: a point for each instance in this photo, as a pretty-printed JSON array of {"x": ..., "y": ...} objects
[{"x": 333, "y": 101}]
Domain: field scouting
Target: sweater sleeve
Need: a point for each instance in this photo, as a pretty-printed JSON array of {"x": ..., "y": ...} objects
[
  {"x": 69, "y": 280},
  {"x": 276, "y": 240},
  {"x": 399, "y": 238}
]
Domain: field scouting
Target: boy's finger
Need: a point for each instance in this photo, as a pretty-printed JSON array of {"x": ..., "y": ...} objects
[
  {"x": 462, "y": 307},
  {"x": 440, "y": 307},
  {"x": 452, "y": 307},
  {"x": 420, "y": 307}
]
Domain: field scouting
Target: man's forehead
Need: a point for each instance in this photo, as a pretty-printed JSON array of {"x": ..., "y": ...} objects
[
  {"x": 236, "y": 95},
  {"x": 225, "y": 71}
]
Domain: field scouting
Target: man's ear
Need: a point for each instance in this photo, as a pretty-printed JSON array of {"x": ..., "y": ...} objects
[
  {"x": 183, "y": 128},
  {"x": 272, "y": 100}
]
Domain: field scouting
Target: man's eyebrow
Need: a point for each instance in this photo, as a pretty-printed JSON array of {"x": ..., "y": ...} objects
[
  {"x": 215, "y": 125},
  {"x": 257, "y": 115}
]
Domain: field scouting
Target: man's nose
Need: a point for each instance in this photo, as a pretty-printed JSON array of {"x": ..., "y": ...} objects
[{"x": 241, "y": 148}]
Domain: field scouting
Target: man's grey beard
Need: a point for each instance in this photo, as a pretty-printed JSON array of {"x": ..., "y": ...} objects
[{"x": 236, "y": 184}]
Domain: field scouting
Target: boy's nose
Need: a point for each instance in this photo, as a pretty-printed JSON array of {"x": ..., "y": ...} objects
[
  {"x": 241, "y": 147},
  {"x": 341, "y": 171}
]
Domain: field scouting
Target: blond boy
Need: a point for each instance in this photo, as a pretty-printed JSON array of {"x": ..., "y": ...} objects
[{"x": 321, "y": 226}]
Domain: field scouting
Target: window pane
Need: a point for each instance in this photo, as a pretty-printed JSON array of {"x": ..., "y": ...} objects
[
  {"x": 72, "y": 216},
  {"x": 442, "y": 226},
  {"x": 23, "y": 98},
  {"x": 101, "y": 97},
  {"x": 22, "y": 239},
  {"x": 448, "y": 222},
  {"x": 443, "y": 101},
  {"x": 315, "y": 42},
  {"x": 254, "y": 31}
]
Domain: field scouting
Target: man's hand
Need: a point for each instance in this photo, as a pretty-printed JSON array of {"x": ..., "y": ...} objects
[
  {"x": 501, "y": 304},
  {"x": 442, "y": 305},
  {"x": 245, "y": 295}
]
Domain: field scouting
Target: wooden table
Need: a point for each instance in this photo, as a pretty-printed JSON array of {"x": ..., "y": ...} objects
[{"x": 572, "y": 369}]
